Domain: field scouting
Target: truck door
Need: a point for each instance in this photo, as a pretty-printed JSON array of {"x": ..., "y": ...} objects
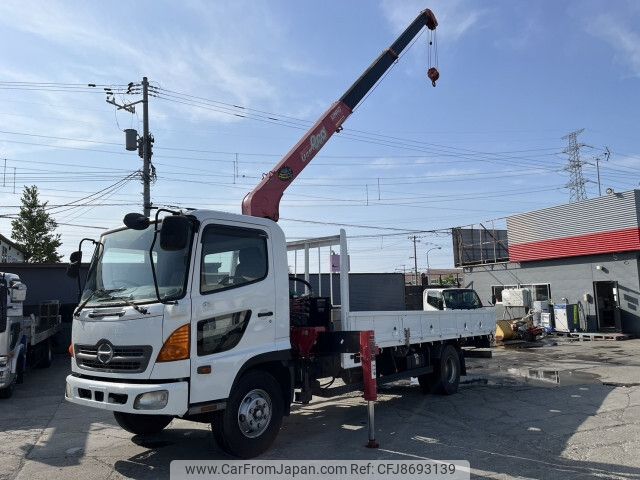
[{"x": 233, "y": 304}]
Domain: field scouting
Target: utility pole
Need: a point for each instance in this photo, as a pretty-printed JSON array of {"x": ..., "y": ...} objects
[
  {"x": 576, "y": 185},
  {"x": 133, "y": 141},
  {"x": 415, "y": 258},
  {"x": 146, "y": 150},
  {"x": 607, "y": 154}
]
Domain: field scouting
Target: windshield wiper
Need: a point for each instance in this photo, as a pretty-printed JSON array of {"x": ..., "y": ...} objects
[
  {"x": 101, "y": 292},
  {"x": 137, "y": 308}
]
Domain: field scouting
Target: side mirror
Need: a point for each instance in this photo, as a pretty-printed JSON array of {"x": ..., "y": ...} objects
[
  {"x": 75, "y": 259},
  {"x": 174, "y": 234},
  {"x": 136, "y": 221}
]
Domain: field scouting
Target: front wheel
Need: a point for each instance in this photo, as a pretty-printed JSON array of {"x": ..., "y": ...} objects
[
  {"x": 139, "y": 424},
  {"x": 253, "y": 417}
]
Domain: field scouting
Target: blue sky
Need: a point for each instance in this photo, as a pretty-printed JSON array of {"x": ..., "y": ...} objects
[{"x": 515, "y": 77}]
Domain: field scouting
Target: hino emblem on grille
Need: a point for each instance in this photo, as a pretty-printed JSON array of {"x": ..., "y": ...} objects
[{"x": 104, "y": 353}]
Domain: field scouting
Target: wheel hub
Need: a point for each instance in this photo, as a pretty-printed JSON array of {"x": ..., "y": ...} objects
[
  {"x": 254, "y": 414},
  {"x": 450, "y": 370}
]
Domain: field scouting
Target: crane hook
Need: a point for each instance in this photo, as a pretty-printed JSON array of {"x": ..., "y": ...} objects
[{"x": 433, "y": 75}]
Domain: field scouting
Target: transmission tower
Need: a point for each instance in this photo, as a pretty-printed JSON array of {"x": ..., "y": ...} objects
[{"x": 576, "y": 185}]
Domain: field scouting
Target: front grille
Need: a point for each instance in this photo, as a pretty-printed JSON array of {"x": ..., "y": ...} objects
[{"x": 125, "y": 359}]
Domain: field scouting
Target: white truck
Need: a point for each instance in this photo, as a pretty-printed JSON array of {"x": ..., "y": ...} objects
[
  {"x": 191, "y": 317},
  {"x": 454, "y": 298},
  {"x": 25, "y": 341},
  {"x": 191, "y": 314}
]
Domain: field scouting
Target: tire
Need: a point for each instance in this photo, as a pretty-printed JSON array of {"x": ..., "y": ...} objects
[
  {"x": 253, "y": 417},
  {"x": 47, "y": 357},
  {"x": 447, "y": 372},
  {"x": 6, "y": 392},
  {"x": 20, "y": 370},
  {"x": 139, "y": 424}
]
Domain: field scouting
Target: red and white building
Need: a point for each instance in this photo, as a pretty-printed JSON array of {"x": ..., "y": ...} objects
[{"x": 585, "y": 253}]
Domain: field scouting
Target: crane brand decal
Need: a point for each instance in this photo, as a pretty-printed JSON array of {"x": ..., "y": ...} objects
[
  {"x": 285, "y": 174},
  {"x": 336, "y": 113},
  {"x": 316, "y": 141}
]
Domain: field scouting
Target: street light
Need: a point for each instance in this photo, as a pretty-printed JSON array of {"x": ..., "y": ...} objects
[{"x": 428, "y": 267}]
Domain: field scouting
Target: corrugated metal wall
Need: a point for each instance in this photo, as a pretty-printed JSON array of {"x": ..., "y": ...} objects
[{"x": 599, "y": 225}]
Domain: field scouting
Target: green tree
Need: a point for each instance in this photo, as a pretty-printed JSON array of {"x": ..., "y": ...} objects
[
  {"x": 34, "y": 228},
  {"x": 449, "y": 280}
]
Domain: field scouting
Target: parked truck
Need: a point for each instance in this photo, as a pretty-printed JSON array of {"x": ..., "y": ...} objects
[
  {"x": 454, "y": 298},
  {"x": 25, "y": 341},
  {"x": 191, "y": 315}
]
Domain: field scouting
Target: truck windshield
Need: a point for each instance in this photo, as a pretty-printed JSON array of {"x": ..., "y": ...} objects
[
  {"x": 121, "y": 271},
  {"x": 461, "y": 299}
]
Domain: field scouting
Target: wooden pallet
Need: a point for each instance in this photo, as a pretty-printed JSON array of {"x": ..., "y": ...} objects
[{"x": 592, "y": 337}]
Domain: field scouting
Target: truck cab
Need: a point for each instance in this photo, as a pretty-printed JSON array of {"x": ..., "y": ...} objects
[
  {"x": 451, "y": 299},
  {"x": 165, "y": 330}
]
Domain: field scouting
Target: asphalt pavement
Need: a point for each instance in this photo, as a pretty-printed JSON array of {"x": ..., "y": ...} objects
[{"x": 569, "y": 411}]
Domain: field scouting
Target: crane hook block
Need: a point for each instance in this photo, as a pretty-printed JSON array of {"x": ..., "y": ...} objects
[{"x": 433, "y": 75}]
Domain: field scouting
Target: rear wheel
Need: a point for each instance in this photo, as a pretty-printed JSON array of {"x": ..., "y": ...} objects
[
  {"x": 447, "y": 372},
  {"x": 139, "y": 424},
  {"x": 253, "y": 417}
]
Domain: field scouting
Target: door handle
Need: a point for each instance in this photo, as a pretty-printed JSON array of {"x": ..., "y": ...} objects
[{"x": 265, "y": 314}]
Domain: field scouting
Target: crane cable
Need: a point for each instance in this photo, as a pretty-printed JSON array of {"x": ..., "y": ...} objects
[{"x": 432, "y": 54}]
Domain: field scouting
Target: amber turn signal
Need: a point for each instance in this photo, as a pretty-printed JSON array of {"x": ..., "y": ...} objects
[
  {"x": 71, "y": 350},
  {"x": 177, "y": 345}
]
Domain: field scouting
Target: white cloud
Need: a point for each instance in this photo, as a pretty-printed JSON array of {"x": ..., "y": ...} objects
[
  {"x": 214, "y": 48},
  {"x": 621, "y": 36}
]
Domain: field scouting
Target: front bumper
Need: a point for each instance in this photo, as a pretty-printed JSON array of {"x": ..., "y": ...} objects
[{"x": 120, "y": 397}]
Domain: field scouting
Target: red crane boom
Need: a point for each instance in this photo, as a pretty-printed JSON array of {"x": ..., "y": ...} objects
[{"x": 264, "y": 199}]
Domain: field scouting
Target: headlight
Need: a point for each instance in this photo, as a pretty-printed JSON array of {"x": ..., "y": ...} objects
[
  {"x": 3, "y": 361},
  {"x": 151, "y": 400}
]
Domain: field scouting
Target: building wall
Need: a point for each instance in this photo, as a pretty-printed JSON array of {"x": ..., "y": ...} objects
[
  {"x": 569, "y": 278},
  {"x": 9, "y": 254},
  {"x": 601, "y": 225}
]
